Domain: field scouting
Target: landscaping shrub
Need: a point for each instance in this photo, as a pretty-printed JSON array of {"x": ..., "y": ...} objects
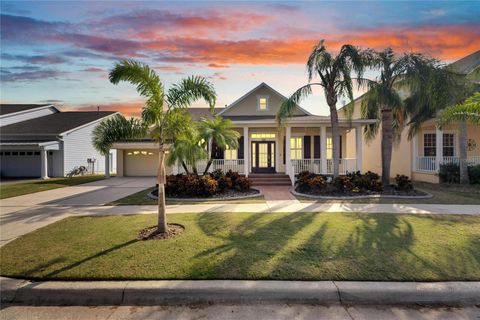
[
  {"x": 224, "y": 183},
  {"x": 449, "y": 173},
  {"x": 343, "y": 183},
  {"x": 403, "y": 183},
  {"x": 192, "y": 185},
  {"x": 317, "y": 183},
  {"x": 474, "y": 174},
  {"x": 242, "y": 184},
  {"x": 209, "y": 186},
  {"x": 303, "y": 181}
]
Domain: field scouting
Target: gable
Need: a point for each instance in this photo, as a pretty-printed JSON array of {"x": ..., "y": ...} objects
[{"x": 247, "y": 105}]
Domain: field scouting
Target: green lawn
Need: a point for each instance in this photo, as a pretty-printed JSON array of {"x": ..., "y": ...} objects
[
  {"x": 18, "y": 189},
  {"x": 442, "y": 194},
  {"x": 309, "y": 246},
  {"x": 140, "y": 198}
]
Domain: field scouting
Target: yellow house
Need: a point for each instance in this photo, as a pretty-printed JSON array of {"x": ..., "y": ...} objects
[
  {"x": 418, "y": 158},
  {"x": 304, "y": 143}
]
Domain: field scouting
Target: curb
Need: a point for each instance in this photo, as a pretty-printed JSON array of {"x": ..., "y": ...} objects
[
  {"x": 373, "y": 196},
  {"x": 177, "y": 292}
]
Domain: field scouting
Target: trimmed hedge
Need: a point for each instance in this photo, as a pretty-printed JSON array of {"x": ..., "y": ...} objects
[
  {"x": 182, "y": 185},
  {"x": 354, "y": 182}
]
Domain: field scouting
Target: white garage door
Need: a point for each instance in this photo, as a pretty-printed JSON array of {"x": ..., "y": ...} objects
[
  {"x": 140, "y": 163},
  {"x": 24, "y": 164}
]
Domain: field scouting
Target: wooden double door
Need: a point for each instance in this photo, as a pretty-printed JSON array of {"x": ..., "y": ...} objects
[{"x": 263, "y": 156}]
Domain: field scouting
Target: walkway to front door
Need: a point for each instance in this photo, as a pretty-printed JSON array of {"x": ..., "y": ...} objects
[
  {"x": 277, "y": 193},
  {"x": 263, "y": 156}
]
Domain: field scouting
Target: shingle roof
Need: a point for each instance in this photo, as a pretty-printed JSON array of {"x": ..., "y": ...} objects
[
  {"x": 12, "y": 108},
  {"x": 198, "y": 113},
  {"x": 466, "y": 64},
  {"x": 41, "y": 128}
]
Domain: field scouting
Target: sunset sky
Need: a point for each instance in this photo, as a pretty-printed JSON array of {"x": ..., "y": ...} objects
[{"x": 60, "y": 52}]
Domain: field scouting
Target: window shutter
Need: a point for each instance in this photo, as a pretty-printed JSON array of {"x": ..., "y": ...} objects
[
  {"x": 316, "y": 147},
  {"x": 284, "y": 155},
  {"x": 240, "y": 148},
  {"x": 340, "y": 147},
  {"x": 306, "y": 147}
]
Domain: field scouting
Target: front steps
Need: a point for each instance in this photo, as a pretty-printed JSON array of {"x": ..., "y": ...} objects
[{"x": 269, "y": 179}]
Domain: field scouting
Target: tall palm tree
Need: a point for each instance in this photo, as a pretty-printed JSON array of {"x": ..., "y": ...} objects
[
  {"x": 159, "y": 112},
  {"x": 218, "y": 133},
  {"x": 410, "y": 74},
  {"x": 334, "y": 73},
  {"x": 467, "y": 112}
]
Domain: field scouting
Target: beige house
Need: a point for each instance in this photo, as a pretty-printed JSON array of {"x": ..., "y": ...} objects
[
  {"x": 304, "y": 143},
  {"x": 418, "y": 158}
]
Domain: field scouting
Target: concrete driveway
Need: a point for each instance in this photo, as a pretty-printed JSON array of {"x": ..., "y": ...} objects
[{"x": 93, "y": 193}]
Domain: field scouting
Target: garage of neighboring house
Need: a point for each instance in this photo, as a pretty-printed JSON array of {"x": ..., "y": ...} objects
[{"x": 140, "y": 162}]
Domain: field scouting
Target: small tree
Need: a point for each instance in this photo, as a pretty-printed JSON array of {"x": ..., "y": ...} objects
[
  {"x": 334, "y": 74},
  {"x": 217, "y": 133},
  {"x": 188, "y": 149},
  {"x": 160, "y": 112},
  {"x": 467, "y": 112}
]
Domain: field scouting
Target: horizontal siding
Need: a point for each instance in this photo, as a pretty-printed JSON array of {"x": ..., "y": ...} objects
[
  {"x": 26, "y": 115},
  {"x": 78, "y": 148}
]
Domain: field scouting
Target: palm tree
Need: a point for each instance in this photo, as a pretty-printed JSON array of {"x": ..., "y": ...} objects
[
  {"x": 467, "y": 112},
  {"x": 187, "y": 149},
  {"x": 334, "y": 74},
  {"x": 413, "y": 74},
  {"x": 159, "y": 112},
  {"x": 217, "y": 133},
  {"x": 115, "y": 129}
]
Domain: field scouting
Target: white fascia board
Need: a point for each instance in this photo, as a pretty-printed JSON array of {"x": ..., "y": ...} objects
[{"x": 13, "y": 114}]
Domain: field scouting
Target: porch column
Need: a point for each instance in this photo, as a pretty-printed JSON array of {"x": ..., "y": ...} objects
[
  {"x": 44, "y": 163},
  {"x": 323, "y": 149},
  {"x": 414, "y": 152},
  {"x": 246, "y": 155},
  {"x": 358, "y": 147},
  {"x": 439, "y": 148},
  {"x": 288, "y": 135},
  {"x": 107, "y": 165}
]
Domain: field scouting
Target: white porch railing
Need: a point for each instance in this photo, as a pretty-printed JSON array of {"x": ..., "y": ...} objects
[
  {"x": 429, "y": 164},
  {"x": 225, "y": 165},
  {"x": 315, "y": 166},
  {"x": 345, "y": 165}
]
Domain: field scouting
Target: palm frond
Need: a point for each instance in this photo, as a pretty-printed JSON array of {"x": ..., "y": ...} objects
[
  {"x": 289, "y": 105},
  {"x": 468, "y": 111},
  {"x": 191, "y": 89},
  {"x": 115, "y": 129}
]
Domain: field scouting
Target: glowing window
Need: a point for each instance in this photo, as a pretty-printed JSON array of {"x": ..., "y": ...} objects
[
  {"x": 329, "y": 148},
  {"x": 139, "y": 152},
  {"x": 263, "y": 135},
  {"x": 230, "y": 154},
  {"x": 262, "y": 103},
  {"x": 296, "y": 145}
]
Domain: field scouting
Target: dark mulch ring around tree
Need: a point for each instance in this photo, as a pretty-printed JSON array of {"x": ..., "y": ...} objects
[
  {"x": 226, "y": 195},
  {"x": 151, "y": 233}
]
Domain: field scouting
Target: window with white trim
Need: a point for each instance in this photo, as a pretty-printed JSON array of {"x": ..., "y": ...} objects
[
  {"x": 296, "y": 148},
  {"x": 429, "y": 145},
  {"x": 448, "y": 145},
  {"x": 262, "y": 103},
  {"x": 230, "y": 154}
]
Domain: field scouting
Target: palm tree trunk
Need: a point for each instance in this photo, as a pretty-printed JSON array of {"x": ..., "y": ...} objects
[
  {"x": 184, "y": 166},
  {"x": 161, "y": 180},
  {"x": 387, "y": 143},
  {"x": 212, "y": 156},
  {"x": 464, "y": 179},
  {"x": 335, "y": 138}
]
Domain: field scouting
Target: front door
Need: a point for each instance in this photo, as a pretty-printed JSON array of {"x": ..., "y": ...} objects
[{"x": 263, "y": 157}]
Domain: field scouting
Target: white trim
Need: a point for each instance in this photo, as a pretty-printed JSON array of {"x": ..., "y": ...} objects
[
  {"x": 263, "y": 84},
  {"x": 258, "y": 102},
  {"x": 28, "y": 111},
  {"x": 87, "y": 124}
]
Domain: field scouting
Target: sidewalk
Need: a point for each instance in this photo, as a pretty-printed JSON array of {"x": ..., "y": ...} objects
[{"x": 177, "y": 292}]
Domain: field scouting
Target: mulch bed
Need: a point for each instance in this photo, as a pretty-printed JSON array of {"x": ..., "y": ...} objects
[{"x": 150, "y": 233}]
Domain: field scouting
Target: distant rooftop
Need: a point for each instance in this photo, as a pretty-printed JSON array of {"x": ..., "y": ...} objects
[
  {"x": 198, "y": 113},
  {"x": 467, "y": 64},
  {"x": 12, "y": 108}
]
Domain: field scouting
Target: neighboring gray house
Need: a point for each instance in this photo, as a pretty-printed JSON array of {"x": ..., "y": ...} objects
[{"x": 42, "y": 141}]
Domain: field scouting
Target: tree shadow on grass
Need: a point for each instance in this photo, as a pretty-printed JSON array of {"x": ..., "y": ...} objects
[
  {"x": 253, "y": 242},
  {"x": 57, "y": 272}
]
